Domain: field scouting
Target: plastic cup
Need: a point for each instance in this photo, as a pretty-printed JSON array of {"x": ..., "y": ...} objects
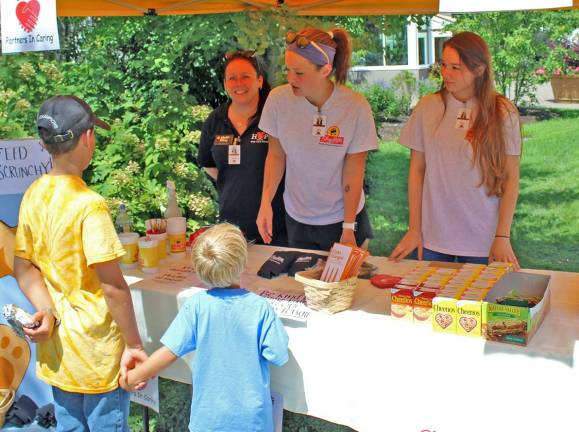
[
  {"x": 176, "y": 234},
  {"x": 130, "y": 242},
  {"x": 162, "y": 247},
  {"x": 148, "y": 255}
]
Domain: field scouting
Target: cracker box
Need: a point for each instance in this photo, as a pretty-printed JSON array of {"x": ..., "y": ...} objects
[
  {"x": 515, "y": 324},
  {"x": 401, "y": 302},
  {"x": 444, "y": 315},
  {"x": 469, "y": 318},
  {"x": 422, "y": 306}
]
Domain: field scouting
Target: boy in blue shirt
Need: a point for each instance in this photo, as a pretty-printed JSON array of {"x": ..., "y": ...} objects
[{"x": 234, "y": 332}]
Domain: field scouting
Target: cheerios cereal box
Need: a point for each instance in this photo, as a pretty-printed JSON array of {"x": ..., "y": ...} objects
[
  {"x": 401, "y": 303},
  {"x": 469, "y": 318},
  {"x": 422, "y": 306},
  {"x": 444, "y": 314}
]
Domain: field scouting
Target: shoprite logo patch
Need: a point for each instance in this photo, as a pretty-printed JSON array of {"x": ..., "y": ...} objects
[{"x": 27, "y": 14}]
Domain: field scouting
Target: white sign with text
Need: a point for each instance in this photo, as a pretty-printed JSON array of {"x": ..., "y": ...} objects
[
  {"x": 149, "y": 396},
  {"x": 29, "y": 25},
  {"x": 286, "y": 305},
  {"x": 21, "y": 162}
]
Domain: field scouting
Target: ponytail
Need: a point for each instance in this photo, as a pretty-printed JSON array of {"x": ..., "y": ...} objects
[
  {"x": 339, "y": 39},
  {"x": 343, "y": 56}
]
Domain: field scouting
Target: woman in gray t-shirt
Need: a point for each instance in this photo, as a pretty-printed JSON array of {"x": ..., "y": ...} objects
[
  {"x": 320, "y": 132},
  {"x": 463, "y": 182}
]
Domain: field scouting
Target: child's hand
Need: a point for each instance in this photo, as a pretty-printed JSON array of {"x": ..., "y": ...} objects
[
  {"x": 132, "y": 357},
  {"x": 124, "y": 383},
  {"x": 43, "y": 331}
]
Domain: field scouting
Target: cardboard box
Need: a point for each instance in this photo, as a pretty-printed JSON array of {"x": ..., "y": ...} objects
[
  {"x": 422, "y": 306},
  {"x": 401, "y": 303},
  {"x": 469, "y": 316},
  {"x": 515, "y": 324},
  {"x": 444, "y": 315}
]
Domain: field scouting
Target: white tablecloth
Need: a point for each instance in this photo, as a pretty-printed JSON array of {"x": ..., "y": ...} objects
[{"x": 363, "y": 369}]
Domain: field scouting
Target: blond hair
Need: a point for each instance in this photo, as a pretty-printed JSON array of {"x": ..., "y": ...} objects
[{"x": 219, "y": 255}]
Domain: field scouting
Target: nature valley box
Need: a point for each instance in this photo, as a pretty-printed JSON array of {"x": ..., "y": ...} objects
[
  {"x": 515, "y": 324},
  {"x": 444, "y": 314},
  {"x": 469, "y": 316}
]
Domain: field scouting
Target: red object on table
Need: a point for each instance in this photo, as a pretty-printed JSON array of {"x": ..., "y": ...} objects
[
  {"x": 196, "y": 234},
  {"x": 384, "y": 281}
]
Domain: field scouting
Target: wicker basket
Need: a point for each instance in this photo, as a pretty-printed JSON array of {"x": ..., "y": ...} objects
[
  {"x": 6, "y": 400},
  {"x": 328, "y": 297}
]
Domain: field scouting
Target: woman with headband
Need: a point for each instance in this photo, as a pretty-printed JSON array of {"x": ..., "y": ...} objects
[
  {"x": 320, "y": 133},
  {"x": 233, "y": 149}
]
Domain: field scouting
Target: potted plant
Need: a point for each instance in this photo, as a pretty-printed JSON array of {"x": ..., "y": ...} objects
[
  {"x": 565, "y": 84},
  {"x": 565, "y": 79}
]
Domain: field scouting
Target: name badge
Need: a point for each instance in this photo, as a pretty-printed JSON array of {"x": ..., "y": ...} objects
[
  {"x": 223, "y": 140},
  {"x": 462, "y": 118},
  {"x": 234, "y": 156},
  {"x": 319, "y": 125}
]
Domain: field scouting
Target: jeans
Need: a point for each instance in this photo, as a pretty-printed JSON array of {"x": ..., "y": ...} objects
[
  {"x": 81, "y": 412},
  {"x": 430, "y": 255}
]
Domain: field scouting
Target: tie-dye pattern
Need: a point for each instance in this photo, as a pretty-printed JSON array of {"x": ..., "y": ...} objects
[{"x": 64, "y": 228}]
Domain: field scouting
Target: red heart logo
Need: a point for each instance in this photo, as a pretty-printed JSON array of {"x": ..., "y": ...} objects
[{"x": 27, "y": 14}]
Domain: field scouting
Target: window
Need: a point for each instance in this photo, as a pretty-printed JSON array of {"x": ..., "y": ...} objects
[
  {"x": 438, "y": 42},
  {"x": 422, "y": 51},
  {"x": 385, "y": 50},
  {"x": 396, "y": 48}
]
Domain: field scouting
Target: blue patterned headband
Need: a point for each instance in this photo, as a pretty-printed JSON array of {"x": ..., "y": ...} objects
[{"x": 318, "y": 53}]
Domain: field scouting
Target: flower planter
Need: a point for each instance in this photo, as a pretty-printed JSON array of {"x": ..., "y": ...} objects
[{"x": 565, "y": 87}]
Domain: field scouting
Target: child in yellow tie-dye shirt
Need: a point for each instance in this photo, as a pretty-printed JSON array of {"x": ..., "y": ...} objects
[{"x": 66, "y": 264}]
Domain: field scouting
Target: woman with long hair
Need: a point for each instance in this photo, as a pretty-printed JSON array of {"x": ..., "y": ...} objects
[
  {"x": 233, "y": 148},
  {"x": 320, "y": 133},
  {"x": 463, "y": 181}
]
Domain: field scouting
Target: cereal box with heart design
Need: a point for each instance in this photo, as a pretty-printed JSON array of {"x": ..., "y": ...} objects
[
  {"x": 469, "y": 315},
  {"x": 444, "y": 314},
  {"x": 514, "y": 309}
]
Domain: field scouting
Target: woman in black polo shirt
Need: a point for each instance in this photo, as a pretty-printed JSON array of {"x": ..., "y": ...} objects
[{"x": 233, "y": 149}]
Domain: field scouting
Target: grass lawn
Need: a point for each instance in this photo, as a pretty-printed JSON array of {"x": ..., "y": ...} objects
[{"x": 545, "y": 231}]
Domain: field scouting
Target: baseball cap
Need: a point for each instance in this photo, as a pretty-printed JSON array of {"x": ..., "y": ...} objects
[{"x": 65, "y": 118}]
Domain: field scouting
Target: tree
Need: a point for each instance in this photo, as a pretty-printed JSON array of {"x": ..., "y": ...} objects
[{"x": 522, "y": 43}]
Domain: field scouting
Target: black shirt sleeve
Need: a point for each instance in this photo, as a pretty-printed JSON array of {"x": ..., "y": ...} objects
[{"x": 204, "y": 155}]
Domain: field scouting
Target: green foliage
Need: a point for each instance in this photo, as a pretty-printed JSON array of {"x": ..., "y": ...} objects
[
  {"x": 405, "y": 85},
  {"x": 431, "y": 84},
  {"x": 389, "y": 103},
  {"x": 383, "y": 101},
  {"x": 522, "y": 43},
  {"x": 426, "y": 87}
]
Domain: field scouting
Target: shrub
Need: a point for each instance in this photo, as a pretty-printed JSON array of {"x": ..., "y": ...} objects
[
  {"x": 383, "y": 101},
  {"x": 405, "y": 86}
]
